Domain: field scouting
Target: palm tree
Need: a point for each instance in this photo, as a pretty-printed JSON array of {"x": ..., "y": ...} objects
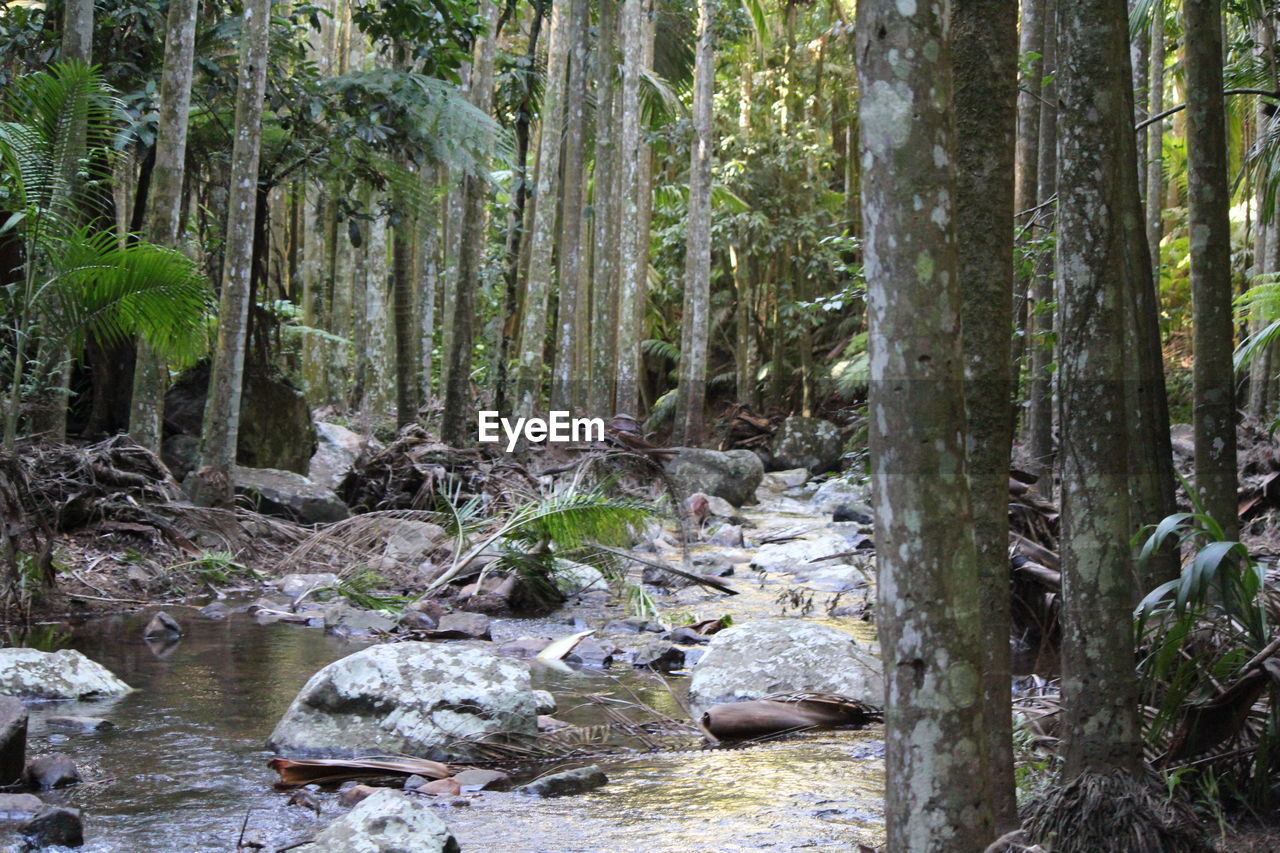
[{"x": 75, "y": 282}]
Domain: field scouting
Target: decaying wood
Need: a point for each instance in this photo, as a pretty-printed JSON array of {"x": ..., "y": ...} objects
[
  {"x": 760, "y": 718},
  {"x": 296, "y": 772}
]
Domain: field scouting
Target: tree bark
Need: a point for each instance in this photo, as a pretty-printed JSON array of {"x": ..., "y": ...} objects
[
  {"x": 151, "y": 374},
  {"x": 1040, "y": 321},
  {"x": 695, "y": 322},
  {"x": 1027, "y": 162},
  {"x": 1213, "y": 378},
  {"x": 631, "y": 268},
  {"x": 935, "y": 753},
  {"x": 605, "y": 212},
  {"x": 985, "y": 54},
  {"x": 1096, "y": 150},
  {"x": 213, "y": 486}
]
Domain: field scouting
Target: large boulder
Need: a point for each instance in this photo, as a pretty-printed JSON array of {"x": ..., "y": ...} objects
[
  {"x": 285, "y": 494},
  {"x": 411, "y": 698},
  {"x": 65, "y": 674},
  {"x": 337, "y": 449},
  {"x": 732, "y": 475},
  {"x": 758, "y": 659},
  {"x": 275, "y": 422},
  {"x": 810, "y": 443},
  {"x": 13, "y": 740},
  {"x": 386, "y": 821}
]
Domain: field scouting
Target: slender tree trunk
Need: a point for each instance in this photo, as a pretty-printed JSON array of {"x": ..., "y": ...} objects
[
  {"x": 565, "y": 378},
  {"x": 151, "y": 374},
  {"x": 1096, "y": 148},
  {"x": 695, "y": 323},
  {"x": 429, "y": 286},
  {"x": 1040, "y": 321},
  {"x": 985, "y": 56},
  {"x": 456, "y": 426},
  {"x": 213, "y": 483},
  {"x": 533, "y": 329},
  {"x": 605, "y": 209},
  {"x": 1209, "y": 224},
  {"x": 1027, "y": 160},
  {"x": 1155, "y": 142},
  {"x": 1262, "y": 368},
  {"x": 631, "y": 271},
  {"x": 930, "y": 629},
  {"x": 403, "y": 315}
]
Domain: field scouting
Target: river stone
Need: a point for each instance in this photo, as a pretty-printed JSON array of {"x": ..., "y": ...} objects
[
  {"x": 337, "y": 449},
  {"x": 285, "y": 494},
  {"x": 576, "y": 781},
  {"x": 387, "y": 821},
  {"x": 810, "y": 443},
  {"x": 411, "y": 698},
  {"x": 54, "y": 826},
  {"x": 64, "y": 674},
  {"x": 576, "y": 578},
  {"x": 78, "y": 724},
  {"x": 788, "y": 479},
  {"x": 162, "y": 626},
  {"x": 798, "y": 554},
  {"x": 344, "y": 617},
  {"x": 52, "y": 771},
  {"x": 732, "y": 475},
  {"x": 835, "y": 494},
  {"x": 294, "y": 585},
  {"x": 13, "y": 740},
  {"x": 758, "y": 659},
  {"x": 19, "y": 806},
  {"x": 410, "y": 541}
]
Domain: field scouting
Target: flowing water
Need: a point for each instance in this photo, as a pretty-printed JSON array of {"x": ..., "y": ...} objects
[{"x": 184, "y": 769}]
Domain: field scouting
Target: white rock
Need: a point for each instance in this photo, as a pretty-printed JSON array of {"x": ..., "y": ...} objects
[
  {"x": 65, "y": 674},
  {"x": 387, "y": 821}
]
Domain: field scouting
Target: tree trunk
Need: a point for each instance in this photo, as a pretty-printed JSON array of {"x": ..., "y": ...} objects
[
  {"x": 213, "y": 486},
  {"x": 456, "y": 428},
  {"x": 1096, "y": 148},
  {"x": 930, "y": 629},
  {"x": 151, "y": 374},
  {"x": 403, "y": 316},
  {"x": 1155, "y": 143},
  {"x": 631, "y": 269},
  {"x": 695, "y": 323},
  {"x": 1213, "y": 378},
  {"x": 1040, "y": 321},
  {"x": 1027, "y": 161},
  {"x": 1262, "y": 368},
  {"x": 985, "y": 56},
  {"x": 605, "y": 212},
  {"x": 533, "y": 329},
  {"x": 565, "y": 378}
]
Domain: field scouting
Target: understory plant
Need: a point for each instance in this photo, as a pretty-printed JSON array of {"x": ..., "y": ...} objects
[{"x": 1207, "y": 665}]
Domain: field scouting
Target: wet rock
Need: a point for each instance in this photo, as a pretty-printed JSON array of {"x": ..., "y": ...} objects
[
  {"x": 726, "y": 536},
  {"x": 720, "y": 508},
  {"x": 78, "y": 724},
  {"x": 416, "y": 620},
  {"x": 575, "y": 578},
  {"x": 577, "y": 781},
  {"x": 295, "y": 585},
  {"x": 357, "y": 793},
  {"x": 344, "y": 617},
  {"x": 798, "y": 554},
  {"x": 275, "y": 430},
  {"x": 337, "y": 449},
  {"x": 462, "y": 626},
  {"x": 414, "y": 782},
  {"x": 162, "y": 626},
  {"x": 284, "y": 494},
  {"x": 657, "y": 655},
  {"x": 415, "y": 698},
  {"x": 306, "y": 799},
  {"x": 441, "y": 787},
  {"x": 388, "y": 821},
  {"x": 833, "y": 577},
  {"x": 809, "y": 443},
  {"x": 13, "y": 740},
  {"x": 54, "y": 826},
  {"x": 215, "y": 610},
  {"x": 758, "y": 659},
  {"x": 64, "y": 674},
  {"x": 524, "y": 647},
  {"x": 686, "y": 635},
  {"x": 589, "y": 652},
  {"x": 480, "y": 780},
  {"x": 836, "y": 493},
  {"x": 732, "y": 475},
  {"x": 546, "y": 702},
  {"x": 429, "y": 606},
  {"x": 631, "y": 626},
  {"x": 15, "y": 807},
  {"x": 692, "y": 656},
  {"x": 854, "y": 512},
  {"x": 55, "y": 770},
  {"x": 788, "y": 479},
  {"x": 547, "y": 723}
]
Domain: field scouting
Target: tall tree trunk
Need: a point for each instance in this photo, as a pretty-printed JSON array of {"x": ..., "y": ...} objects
[
  {"x": 213, "y": 486},
  {"x": 1040, "y": 321},
  {"x": 1027, "y": 160},
  {"x": 1209, "y": 201},
  {"x": 403, "y": 315},
  {"x": 565, "y": 378},
  {"x": 533, "y": 329},
  {"x": 1155, "y": 142},
  {"x": 1096, "y": 150},
  {"x": 1266, "y": 251},
  {"x": 605, "y": 213},
  {"x": 631, "y": 269},
  {"x": 429, "y": 286},
  {"x": 695, "y": 323},
  {"x": 151, "y": 374},
  {"x": 930, "y": 629},
  {"x": 985, "y": 56},
  {"x": 456, "y": 428}
]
